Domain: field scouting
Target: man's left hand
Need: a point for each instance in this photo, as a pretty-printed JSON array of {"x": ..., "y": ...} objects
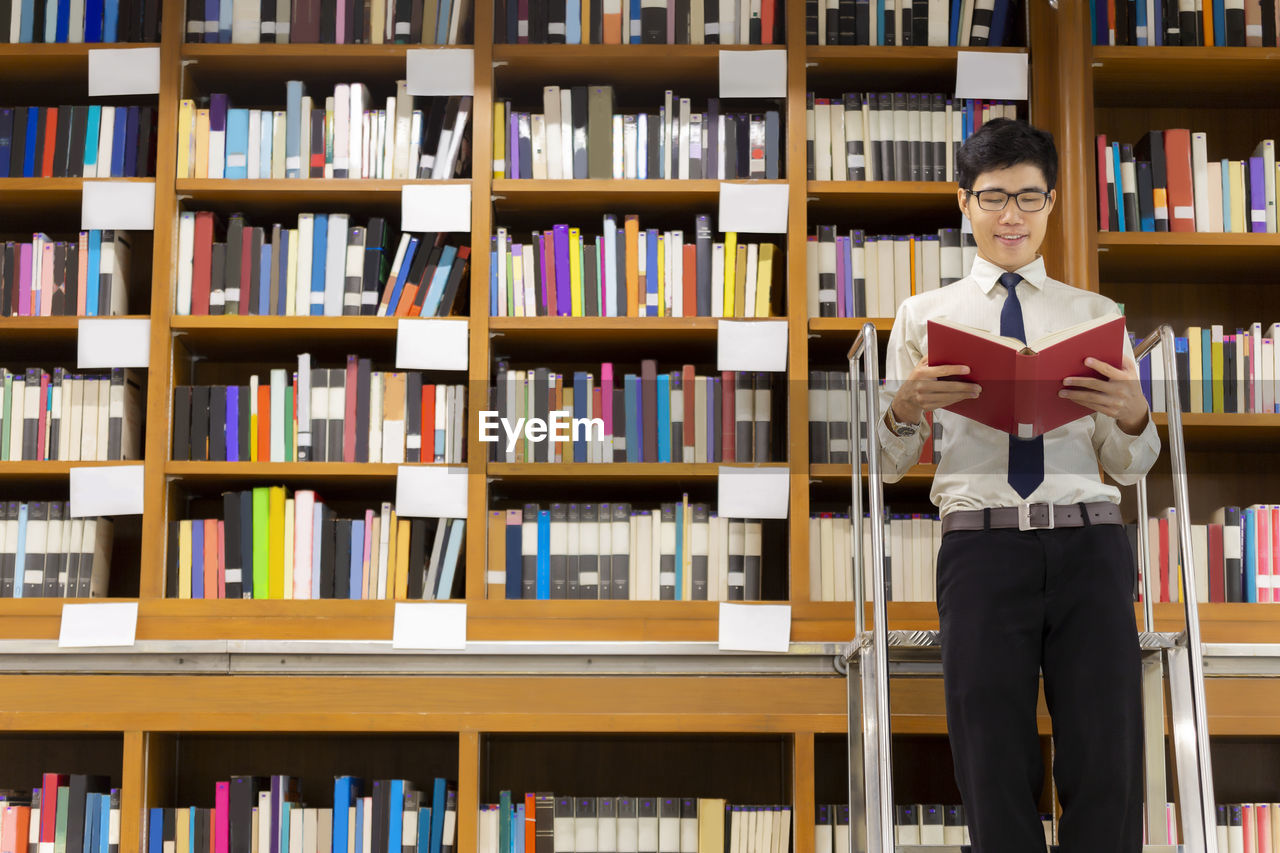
[{"x": 1118, "y": 394}]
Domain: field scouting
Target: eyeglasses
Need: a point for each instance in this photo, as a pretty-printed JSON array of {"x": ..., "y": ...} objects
[{"x": 1029, "y": 201}]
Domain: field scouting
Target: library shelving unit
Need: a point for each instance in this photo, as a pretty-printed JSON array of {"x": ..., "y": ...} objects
[{"x": 216, "y": 687}]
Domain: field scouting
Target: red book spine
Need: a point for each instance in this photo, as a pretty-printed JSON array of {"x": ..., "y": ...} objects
[
  {"x": 428, "y": 423},
  {"x": 728, "y": 412},
  {"x": 46, "y": 168},
  {"x": 549, "y": 271},
  {"x": 222, "y": 560},
  {"x": 1177, "y": 155},
  {"x": 49, "y": 805},
  {"x": 264, "y": 422},
  {"x": 349, "y": 414},
  {"x": 202, "y": 262},
  {"x": 42, "y": 425},
  {"x": 767, "y": 13},
  {"x": 689, "y": 265},
  {"x": 1104, "y": 209},
  {"x": 1163, "y": 561},
  {"x": 247, "y": 262},
  {"x": 691, "y": 414}
]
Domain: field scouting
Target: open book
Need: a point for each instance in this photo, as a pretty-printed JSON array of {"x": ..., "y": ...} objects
[{"x": 1020, "y": 383}]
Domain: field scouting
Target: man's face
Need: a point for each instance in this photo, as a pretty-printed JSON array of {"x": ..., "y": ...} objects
[{"x": 1010, "y": 237}]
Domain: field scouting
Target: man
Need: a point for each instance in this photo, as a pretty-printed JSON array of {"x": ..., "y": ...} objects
[{"x": 1013, "y": 603}]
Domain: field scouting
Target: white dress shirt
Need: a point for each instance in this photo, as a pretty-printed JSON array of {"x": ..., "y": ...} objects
[{"x": 973, "y": 472}]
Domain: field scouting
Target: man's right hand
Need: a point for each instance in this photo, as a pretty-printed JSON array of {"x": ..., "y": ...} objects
[{"x": 925, "y": 390}]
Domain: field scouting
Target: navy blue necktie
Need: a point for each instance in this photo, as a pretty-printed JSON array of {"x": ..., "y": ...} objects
[{"x": 1026, "y": 455}]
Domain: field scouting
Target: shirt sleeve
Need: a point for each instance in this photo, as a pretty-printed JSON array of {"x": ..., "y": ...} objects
[
  {"x": 898, "y": 453},
  {"x": 1125, "y": 457}
]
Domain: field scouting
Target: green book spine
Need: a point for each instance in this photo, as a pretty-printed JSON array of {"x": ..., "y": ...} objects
[
  {"x": 260, "y": 542},
  {"x": 288, "y": 424},
  {"x": 60, "y": 831}
]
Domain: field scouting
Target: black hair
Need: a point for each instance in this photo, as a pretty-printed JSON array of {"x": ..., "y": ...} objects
[{"x": 1001, "y": 143}]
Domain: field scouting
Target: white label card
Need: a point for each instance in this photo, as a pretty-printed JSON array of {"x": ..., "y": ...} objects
[
  {"x": 113, "y": 343},
  {"x": 441, "y": 71},
  {"x": 424, "y": 207},
  {"x": 753, "y": 73},
  {"x": 755, "y": 627},
  {"x": 120, "y": 205},
  {"x": 106, "y": 490},
  {"x": 124, "y": 71},
  {"x": 431, "y": 491},
  {"x": 993, "y": 76},
  {"x": 98, "y": 625},
  {"x": 753, "y": 492},
  {"x": 425, "y": 344},
  {"x": 759, "y": 345},
  {"x": 754, "y": 208},
  {"x": 430, "y": 625}
]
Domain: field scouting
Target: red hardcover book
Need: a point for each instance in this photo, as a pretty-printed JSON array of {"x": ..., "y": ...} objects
[
  {"x": 222, "y": 581},
  {"x": 264, "y": 422},
  {"x": 428, "y": 423},
  {"x": 1020, "y": 384},
  {"x": 1164, "y": 556},
  {"x": 728, "y": 413},
  {"x": 50, "y": 782},
  {"x": 768, "y": 10},
  {"x": 247, "y": 263},
  {"x": 202, "y": 262},
  {"x": 1104, "y": 209},
  {"x": 46, "y": 171},
  {"x": 1217, "y": 566},
  {"x": 689, "y": 265},
  {"x": 349, "y": 413},
  {"x": 691, "y": 415},
  {"x": 1177, "y": 156},
  {"x": 549, "y": 272},
  {"x": 211, "y": 558}
]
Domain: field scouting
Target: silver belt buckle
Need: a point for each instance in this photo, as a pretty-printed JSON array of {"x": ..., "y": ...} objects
[{"x": 1024, "y": 516}]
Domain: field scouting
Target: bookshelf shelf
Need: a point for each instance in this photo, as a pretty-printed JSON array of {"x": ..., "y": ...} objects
[
  {"x": 50, "y": 471},
  {"x": 579, "y": 198},
  {"x": 850, "y": 326},
  {"x": 919, "y": 475},
  {"x": 217, "y": 332},
  {"x": 1185, "y": 76},
  {"x": 299, "y": 190},
  {"x": 602, "y": 331},
  {"x": 559, "y": 64},
  {"x": 648, "y": 472},
  {"x": 1213, "y": 430},
  {"x": 18, "y": 334},
  {"x": 304, "y": 473},
  {"x": 241, "y": 60},
  {"x": 65, "y": 65},
  {"x": 18, "y": 193},
  {"x": 905, "y": 204},
  {"x": 1187, "y": 257}
]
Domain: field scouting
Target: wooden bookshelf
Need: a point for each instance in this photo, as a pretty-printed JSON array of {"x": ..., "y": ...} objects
[{"x": 150, "y": 717}]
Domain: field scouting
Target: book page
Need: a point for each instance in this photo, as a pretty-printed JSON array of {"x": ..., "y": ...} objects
[{"x": 1043, "y": 343}]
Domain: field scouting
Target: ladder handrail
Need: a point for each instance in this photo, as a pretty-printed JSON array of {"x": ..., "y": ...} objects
[{"x": 1198, "y": 835}]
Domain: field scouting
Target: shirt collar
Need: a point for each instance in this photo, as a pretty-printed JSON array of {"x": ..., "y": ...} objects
[{"x": 987, "y": 274}]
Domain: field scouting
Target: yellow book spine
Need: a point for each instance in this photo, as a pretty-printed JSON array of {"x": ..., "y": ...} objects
[
  {"x": 186, "y": 136},
  {"x": 1216, "y": 365},
  {"x": 662, "y": 277},
  {"x": 730, "y": 258},
  {"x": 287, "y": 559},
  {"x": 393, "y": 556},
  {"x": 202, "y": 144},
  {"x": 764, "y": 280},
  {"x": 1192, "y": 334},
  {"x": 1239, "y": 209},
  {"x": 291, "y": 276},
  {"x": 371, "y": 565},
  {"x": 499, "y": 139},
  {"x": 184, "y": 562},
  {"x": 575, "y": 270},
  {"x": 253, "y": 419},
  {"x": 402, "y": 560},
  {"x": 915, "y": 268},
  {"x": 275, "y": 542}
]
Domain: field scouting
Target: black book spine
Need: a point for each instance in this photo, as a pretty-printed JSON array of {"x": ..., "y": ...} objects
[{"x": 235, "y": 571}]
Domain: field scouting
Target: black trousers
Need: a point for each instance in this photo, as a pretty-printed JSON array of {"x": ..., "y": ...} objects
[{"x": 1013, "y": 604}]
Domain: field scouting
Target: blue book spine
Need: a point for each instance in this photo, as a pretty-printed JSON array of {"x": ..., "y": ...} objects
[
  {"x": 93, "y": 268},
  {"x": 264, "y": 274},
  {"x": 631, "y": 385},
  {"x": 1219, "y": 23},
  {"x": 63, "y": 34},
  {"x": 155, "y": 836},
  {"x": 1226, "y": 196},
  {"x": 1250, "y": 555},
  {"x": 544, "y": 555},
  {"x": 424, "y": 828},
  {"x": 395, "y": 824},
  {"x": 515, "y": 589},
  {"x": 286, "y": 813},
  {"x": 132, "y": 135},
  {"x": 224, "y": 22},
  {"x": 431, "y": 304},
  {"x": 341, "y": 804},
  {"x": 437, "y": 815},
  {"x": 20, "y": 554},
  {"x": 359, "y": 825},
  {"x": 1143, "y": 38},
  {"x": 635, "y": 21},
  {"x": 50, "y": 21},
  {"x": 237, "y": 144},
  {"x": 111, "y": 21},
  {"x": 197, "y": 560},
  {"x": 233, "y": 424},
  {"x": 1144, "y": 375},
  {"x": 293, "y": 128},
  {"x": 1115, "y": 159},
  {"x": 664, "y": 416},
  {"x": 319, "y": 245},
  {"x": 265, "y": 140},
  {"x": 442, "y": 21},
  {"x": 999, "y": 19},
  {"x": 494, "y": 309},
  {"x": 1156, "y": 33},
  {"x": 90, "y": 822},
  {"x": 878, "y": 6},
  {"x": 93, "y": 21},
  {"x": 92, "y": 127},
  {"x": 580, "y": 394},
  {"x": 282, "y": 307},
  {"x": 357, "y": 558},
  {"x": 29, "y": 155},
  {"x": 517, "y": 829},
  {"x": 573, "y": 21},
  {"x": 118, "y": 143},
  {"x": 450, "y": 564},
  {"x": 402, "y": 274},
  {"x": 1206, "y": 368},
  {"x": 653, "y": 309},
  {"x": 104, "y": 824},
  {"x": 26, "y": 33}
]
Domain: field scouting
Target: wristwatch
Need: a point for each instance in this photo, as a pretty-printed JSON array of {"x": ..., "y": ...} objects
[{"x": 901, "y": 430}]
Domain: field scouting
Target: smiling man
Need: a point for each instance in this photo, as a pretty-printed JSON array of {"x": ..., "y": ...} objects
[{"x": 1014, "y": 602}]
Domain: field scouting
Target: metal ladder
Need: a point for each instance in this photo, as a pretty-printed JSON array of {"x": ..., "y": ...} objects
[{"x": 877, "y": 653}]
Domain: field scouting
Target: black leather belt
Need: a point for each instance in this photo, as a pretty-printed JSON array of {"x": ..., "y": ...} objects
[{"x": 1031, "y": 516}]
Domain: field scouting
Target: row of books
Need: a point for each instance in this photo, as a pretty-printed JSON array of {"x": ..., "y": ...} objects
[
  {"x": 929, "y": 823},
  {"x": 77, "y": 142},
  {"x": 1218, "y": 372},
  {"x": 676, "y": 552},
  {"x": 260, "y": 814},
  {"x": 862, "y": 275},
  {"x": 74, "y": 21},
  {"x": 1248, "y": 827},
  {"x": 87, "y": 277},
  {"x": 651, "y": 416},
  {"x": 323, "y": 267},
  {"x": 939, "y": 23},
  {"x": 631, "y": 825},
  {"x": 1166, "y": 182},
  {"x": 631, "y": 272},
  {"x": 329, "y": 21},
  {"x": 911, "y": 543},
  {"x": 1213, "y": 23},
  {"x": 72, "y": 812},
  {"x": 579, "y": 135},
  {"x": 342, "y": 136},
  {"x": 319, "y": 414},
  {"x": 1236, "y": 555},
  {"x": 831, "y": 426},
  {"x": 45, "y": 553},
  {"x": 70, "y": 417},
  {"x": 270, "y": 543},
  {"x": 892, "y": 136},
  {"x": 637, "y": 22}
]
